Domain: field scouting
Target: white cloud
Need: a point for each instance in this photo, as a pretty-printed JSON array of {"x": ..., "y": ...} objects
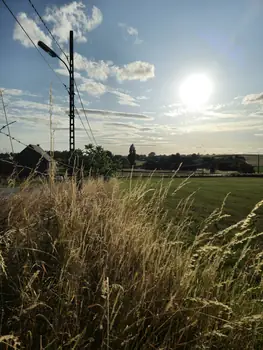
[
  {"x": 32, "y": 29},
  {"x": 12, "y": 92},
  {"x": 218, "y": 115},
  {"x": 123, "y": 125},
  {"x": 72, "y": 16},
  {"x": 106, "y": 113},
  {"x": 125, "y": 99},
  {"x": 253, "y": 98},
  {"x": 63, "y": 71},
  {"x": 219, "y": 106},
  {"x": 16, "y": 92},
  {"x": 149, "y": 112},
  {"x": 175, "y": 113},
  {"x": 137, "y": 70},
  {"x": 95, "y": 20},
  {"x": 33, "y": 118},
  {"x": 101, "y": 70},
  {"x": 20, "y": 108},
  {"x": 132, "y": 32},
  {"x": 92, "y": 87},
  {"x": 209, "y": 127},
  {"x": 119, "y": 129},
  {"x": 98, "y": 70},
  {"x": 30, "y": 105},
  {"x": 142, "y": 98},
  {"x": 257, "y": 114}
]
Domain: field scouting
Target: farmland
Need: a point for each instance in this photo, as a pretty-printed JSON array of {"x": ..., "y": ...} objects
[{"x": 209, "y": 193}]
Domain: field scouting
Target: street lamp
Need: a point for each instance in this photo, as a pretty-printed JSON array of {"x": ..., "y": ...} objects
[
  {"x": 70, "y": 69},
  {"x": 51, "y": 52}
]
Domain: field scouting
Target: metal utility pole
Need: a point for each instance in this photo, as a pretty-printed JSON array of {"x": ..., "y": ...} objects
[
  {"x": 70, "y": 69},
  {"x": 71, "y": 97}
]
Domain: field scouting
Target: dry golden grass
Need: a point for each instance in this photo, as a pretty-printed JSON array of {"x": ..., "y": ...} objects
[{"x": 104, "y": 269}]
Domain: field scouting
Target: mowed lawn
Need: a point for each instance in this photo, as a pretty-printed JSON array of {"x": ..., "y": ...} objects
[{"x": 245, "y": 193}]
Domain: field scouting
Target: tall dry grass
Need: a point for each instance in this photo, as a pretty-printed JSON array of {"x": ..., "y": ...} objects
[{"x": 105, "y": 269}]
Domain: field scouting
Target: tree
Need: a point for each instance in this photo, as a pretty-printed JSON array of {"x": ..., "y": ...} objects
[
  {"x": 122, "y": 162},
  {"x": 132, "y": 155},
  {"x": 98, "y": 161},
  {"x": 151, "y": 154}
]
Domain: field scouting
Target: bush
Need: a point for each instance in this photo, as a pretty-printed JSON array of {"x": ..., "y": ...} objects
[{"x": 105, "y": 269}]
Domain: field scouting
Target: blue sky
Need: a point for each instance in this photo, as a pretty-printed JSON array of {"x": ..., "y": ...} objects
[{"x": 131, "y": 58}]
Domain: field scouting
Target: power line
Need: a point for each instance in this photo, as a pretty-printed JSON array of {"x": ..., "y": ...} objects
[
  {"x": 20, "y": 25},
  {"x": 83, "y": 124},
  {"x": 74, "y": 79},
  {"x": 52, "y": 36},
  {"x": 85, "y": 114},
  {"x": 6, "y": 125},
  {"x": 50, "y": 65},
  {"x": 29, "y": 146},
  {"x": 21, "y": 166}
]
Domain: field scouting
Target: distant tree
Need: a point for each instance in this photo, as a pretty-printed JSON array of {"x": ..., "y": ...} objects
[
  {"x": 246, "y": 168},
  {"x": 195, "y": 156},
  {"x": 98, "y": 161},
  {"x": 132, "y": 155},
  {"x": 151, "y": 154}
]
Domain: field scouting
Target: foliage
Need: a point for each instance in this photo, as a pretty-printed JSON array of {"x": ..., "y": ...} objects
[
  {"x": 106, "y": 269},
  {"x": 132, "y": 155},
  {"x": 151, "y": 162},
  {"x": 195, "y": 161},
  {"x": 98, "y": 161}
]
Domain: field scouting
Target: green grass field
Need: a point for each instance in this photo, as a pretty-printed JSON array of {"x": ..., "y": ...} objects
[{"x": 244, "y": 193}]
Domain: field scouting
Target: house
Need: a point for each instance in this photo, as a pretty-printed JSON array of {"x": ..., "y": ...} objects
[{"x": 33, "y": 157}]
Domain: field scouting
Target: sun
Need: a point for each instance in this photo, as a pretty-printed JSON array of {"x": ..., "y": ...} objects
[{"x": 195, "y": 91}]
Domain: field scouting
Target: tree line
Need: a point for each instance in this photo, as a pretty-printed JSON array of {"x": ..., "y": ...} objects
[{"x": 98, "y": 161}]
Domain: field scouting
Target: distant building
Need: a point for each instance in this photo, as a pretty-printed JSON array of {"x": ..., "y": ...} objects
[{"x": 33, "y": 157}]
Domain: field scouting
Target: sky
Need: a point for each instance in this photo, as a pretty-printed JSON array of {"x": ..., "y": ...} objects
[{"x": 131, "y": 59}]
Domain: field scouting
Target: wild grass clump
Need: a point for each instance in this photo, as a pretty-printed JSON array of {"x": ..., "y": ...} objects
[{"x": 105, "y": 269}]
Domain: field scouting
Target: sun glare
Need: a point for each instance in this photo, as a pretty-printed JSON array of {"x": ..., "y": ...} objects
[{"x": 195, "y": 91}]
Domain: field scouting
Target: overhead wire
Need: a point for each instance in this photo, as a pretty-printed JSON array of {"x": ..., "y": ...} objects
[
  {"x": 20, "y": 25},
  {"x": 21, "y": 166},
  {"x": 52, "y": 36},
  {"x": 82, "y": 105},
  {"x": 93, "y": 137},
  {"x": 29, "y": 146},
  {"x": 84, "y": 127},
  {"x": 50, "y": 33}
]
